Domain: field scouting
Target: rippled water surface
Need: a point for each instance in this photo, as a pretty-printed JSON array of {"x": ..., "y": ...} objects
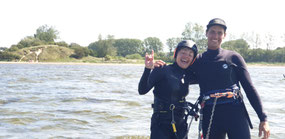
[{"x": 102, "y": 102}]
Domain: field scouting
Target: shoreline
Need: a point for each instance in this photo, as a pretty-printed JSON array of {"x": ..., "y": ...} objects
[
  {"x": 82, "y": 63},
  {"x": 68, "y": 63}
]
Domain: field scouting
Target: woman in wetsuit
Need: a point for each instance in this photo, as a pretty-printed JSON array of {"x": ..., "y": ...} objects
[{"x": 170, "y": 89}]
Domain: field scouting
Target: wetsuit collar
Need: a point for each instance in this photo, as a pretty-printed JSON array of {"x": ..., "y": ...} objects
[
  {"x": 176, "y": 66},
  {"x": 215, "y": 51}
]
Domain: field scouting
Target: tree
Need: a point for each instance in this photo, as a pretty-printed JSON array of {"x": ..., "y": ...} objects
[
  {"x": 231, "y": 36},
  {"x": 254, "y": 39},
  {"x": 255, "y": 55},
  {"x": 196, "y": 33},
  {"x": 153, "y": 43},
  {"x": 269, "y": 39},
  {"x": 74, "y": 45},
  {"x": 80, "y": 52},
  {"x": 187, "y": 34},
  {"x": 128, "y": 46},
  {"x": 240, "y": 46},
  {"x": 47, "y": 34},
  {"x": 28, "y": 42},
  {"x": 62, "y": 43},
  {"x": 8, "y": 56},
  {"x": 236, "y": 45},
  {"x": 172, "y": 43},
  {"x": 13, "y": 48},
  {"x": 103, "y": 47},
  {"x": 279, "y": 54}
]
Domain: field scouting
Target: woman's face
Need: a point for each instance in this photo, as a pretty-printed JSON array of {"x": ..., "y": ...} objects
[{"x": 184, "y": 58}]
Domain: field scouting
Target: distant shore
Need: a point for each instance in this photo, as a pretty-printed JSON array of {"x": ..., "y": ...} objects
[
  {"x": 86, "y": 63},
  {"x": 266, "y": 64},
  {"x": 69, "y": 63}
]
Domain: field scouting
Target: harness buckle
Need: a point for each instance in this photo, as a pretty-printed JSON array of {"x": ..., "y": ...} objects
[{"x": 172, "y": 107}]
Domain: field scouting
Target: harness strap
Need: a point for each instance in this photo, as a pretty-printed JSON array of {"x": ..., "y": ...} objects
[
  {"x": 202, "y": 105},
  {"x": 228, "y": 94},
  {"x": 211, "y": 119},
  {"x": 192, "y": 112},
  {"x": 172, "y": 107},
  {"x": 225, "y": 94}
]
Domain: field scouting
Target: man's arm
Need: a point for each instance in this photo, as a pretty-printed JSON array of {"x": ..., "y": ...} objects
[
  {"x": 159, "y": 63},
  {"x": 252, "y": 95}
]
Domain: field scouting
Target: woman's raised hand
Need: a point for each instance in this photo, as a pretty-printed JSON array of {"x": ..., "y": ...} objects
[{"x": 149, "y": 60}]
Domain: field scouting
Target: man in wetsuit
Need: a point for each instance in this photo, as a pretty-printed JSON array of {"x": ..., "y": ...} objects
[
  {"x": 218, "y": 69},
  {"x": 170, "y": 89},
  {"x": 218, "y": 72}
]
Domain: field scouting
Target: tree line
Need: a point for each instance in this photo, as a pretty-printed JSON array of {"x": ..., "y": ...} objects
[{"x": 109, "y": 47}]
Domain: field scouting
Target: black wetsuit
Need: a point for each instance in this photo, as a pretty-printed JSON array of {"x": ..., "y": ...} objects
[
  {"x": 170, "y": 87},
  {"x": 220, "y": 69}
]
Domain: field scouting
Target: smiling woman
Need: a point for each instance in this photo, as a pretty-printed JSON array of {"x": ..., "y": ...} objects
[{"x": 171, "y": 86}]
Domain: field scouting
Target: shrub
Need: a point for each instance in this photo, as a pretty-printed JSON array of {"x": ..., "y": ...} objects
[
  {"x": 8, "y": 56},
  {"x": 108, "y": 58},
  {"x": 28, "y": 42},
  {"x": 80, "y": 52},
  {"x": 13, "y": 48},
  {"x": 134, "y": 56},
  {"x": 62, "y": 43}
]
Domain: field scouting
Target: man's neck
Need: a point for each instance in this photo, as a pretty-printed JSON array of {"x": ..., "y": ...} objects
[{"x": 214, "y": 48}]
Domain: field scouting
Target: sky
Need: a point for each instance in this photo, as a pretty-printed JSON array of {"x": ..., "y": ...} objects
[{"x": 81, "y": 21}]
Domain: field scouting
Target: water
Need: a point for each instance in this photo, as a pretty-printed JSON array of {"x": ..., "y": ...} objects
[{"x": 102, "y": 102}]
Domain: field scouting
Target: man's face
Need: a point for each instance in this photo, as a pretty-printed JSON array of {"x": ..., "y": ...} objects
[{"x": 215, "y": 36}]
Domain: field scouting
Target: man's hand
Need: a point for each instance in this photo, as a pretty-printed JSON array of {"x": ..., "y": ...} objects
[
  {"x": 159, "y": 63},
  {"x": 149, "y": 60},
  {"x": 264, "y": 128}
]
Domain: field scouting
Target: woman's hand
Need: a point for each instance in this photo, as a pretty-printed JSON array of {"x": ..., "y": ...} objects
[{"x": 149, "y": 60}]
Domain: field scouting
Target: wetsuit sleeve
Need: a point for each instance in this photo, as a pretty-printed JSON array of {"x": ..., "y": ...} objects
[
  {"x": 245, "y": 80},
  {"x": 192, "y": 77},
  {"x": 149, "y": 79},
  {"x": 190, "y": 71}
]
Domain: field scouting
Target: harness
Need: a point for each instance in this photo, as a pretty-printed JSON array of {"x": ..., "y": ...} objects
[
  {"x": 216, "y": 97},
  {"x": 187, "y": 108},
  {"x": 229, "y": 95},
  {"x": 211, "y": 99}
]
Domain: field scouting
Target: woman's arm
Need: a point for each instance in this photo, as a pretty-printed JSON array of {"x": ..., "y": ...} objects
[
  {"x": 144, "y": 87},
  {"x": 149, "y": 79}
]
